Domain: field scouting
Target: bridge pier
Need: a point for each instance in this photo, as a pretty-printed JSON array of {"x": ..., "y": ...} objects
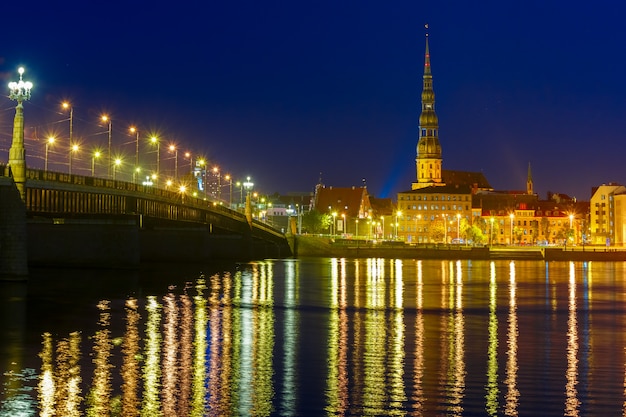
[{"x": 13, "y": 233}]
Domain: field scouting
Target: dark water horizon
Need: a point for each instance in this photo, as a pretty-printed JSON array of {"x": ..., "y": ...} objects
[{"x": 318, "y": 336}]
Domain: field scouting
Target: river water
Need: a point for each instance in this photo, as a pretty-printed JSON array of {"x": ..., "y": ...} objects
[{"x": 312, "y": 337}]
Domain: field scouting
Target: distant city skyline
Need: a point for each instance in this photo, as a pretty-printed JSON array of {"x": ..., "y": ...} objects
[{"x": 282, "y": 93}]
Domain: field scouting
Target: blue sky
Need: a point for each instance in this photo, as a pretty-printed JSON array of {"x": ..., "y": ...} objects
[{"x": 282, "y": 91}]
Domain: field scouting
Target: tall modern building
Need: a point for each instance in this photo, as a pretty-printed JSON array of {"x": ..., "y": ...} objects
[{"x": 428, "y": 160}]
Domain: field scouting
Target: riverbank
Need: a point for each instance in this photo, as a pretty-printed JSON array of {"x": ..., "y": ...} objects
[{"x": 317, "y": 246}]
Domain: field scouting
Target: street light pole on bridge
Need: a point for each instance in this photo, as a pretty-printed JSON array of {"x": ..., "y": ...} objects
[{"x": 19, "y": 91}]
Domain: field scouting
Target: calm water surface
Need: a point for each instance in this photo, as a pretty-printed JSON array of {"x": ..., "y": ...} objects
[{"x": 317, "y": 337}]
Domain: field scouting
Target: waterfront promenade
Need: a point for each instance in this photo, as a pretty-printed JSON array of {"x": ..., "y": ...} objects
[{"x": 325, "y": 246}]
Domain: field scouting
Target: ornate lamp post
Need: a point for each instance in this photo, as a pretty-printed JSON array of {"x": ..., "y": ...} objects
[
  {"x": 19, "y": 91},
  {"x": 458, "y": 229},
  {"x": 248, "y": 211},
  {"x": 106, "y": 119}
]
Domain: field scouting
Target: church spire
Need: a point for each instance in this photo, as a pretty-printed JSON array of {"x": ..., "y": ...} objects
[
  {"x": 427, "y": 57},
  {"x": 428, "y": 160},
  {"x": 529, "y": 182}
]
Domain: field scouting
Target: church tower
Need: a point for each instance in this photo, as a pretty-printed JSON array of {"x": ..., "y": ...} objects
[
  {"x": 428, "y": 161},
  {"x": 529, "y": 182}
]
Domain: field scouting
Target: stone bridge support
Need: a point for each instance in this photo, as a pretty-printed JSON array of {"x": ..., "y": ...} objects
[{"x": 13, "y": 233}]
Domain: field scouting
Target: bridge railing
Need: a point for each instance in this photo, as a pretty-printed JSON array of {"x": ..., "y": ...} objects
[{"x": 55, "y": 192}]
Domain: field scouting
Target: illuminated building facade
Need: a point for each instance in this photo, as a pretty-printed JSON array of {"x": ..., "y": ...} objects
[
  {"x": 433, "y": 214},
  {"x": 608, "y": 215}
]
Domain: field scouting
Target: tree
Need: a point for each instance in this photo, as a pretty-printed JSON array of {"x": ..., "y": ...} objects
[
  {"x": 545, "y": 229},
  {"x": 436, "y": 231},
  {"x": 315, "y": 222},
  {"x": 475, "y": 234}
]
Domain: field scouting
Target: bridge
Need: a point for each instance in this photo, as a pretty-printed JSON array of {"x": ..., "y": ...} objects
[{"x": 62, "y": 219}]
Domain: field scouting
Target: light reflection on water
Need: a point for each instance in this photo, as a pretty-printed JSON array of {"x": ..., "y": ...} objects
[{"x": 340, "y": 337}]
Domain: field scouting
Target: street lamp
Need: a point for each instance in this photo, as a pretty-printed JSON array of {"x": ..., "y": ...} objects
[
  {"x": 117, "y": 163},
  {"x": 248, "y": 209},
  {"x": 19, "y": 91},
  {"x": 95, "y": 156},
  {"x": 188, "y": 156},
  {"x": 445, "y": 228},
  {"x": 134, "y": 130},
  {"x": 175, "y": 150},
  {"x": 458, "y": 228},
  {"x": 201, "y": 163},
  {"x": 571, "y": 220},
  {"x": 216, "y": 172},
  {"x": 417, "y": 218},
  {"x": 155, "y": 141},
  {"x": 383, "y": 219},
  {"x": 66, "y": 106},
  {"x": 228, "y": 178},
  {"x": 398, "y": 214},
  {"x": 248, "y": 185},
  {"x": 73, "y": 148},
  {"x": 491, "y": 232},
  {"x": 49, "y": 143},
  {"x": 107, "y": 119},
  {"x": 240, "y": 185},
  {"x": 334, "y": 224},
  {"x": 356, "y": 226},
  {"x": 512, "y": 216}
]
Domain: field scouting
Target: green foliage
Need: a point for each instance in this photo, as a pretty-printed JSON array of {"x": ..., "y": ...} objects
[
  {"x": 475, "y": 234},
  {"x": 436, "y": 231},
  {"x": 315, "y": 222}
]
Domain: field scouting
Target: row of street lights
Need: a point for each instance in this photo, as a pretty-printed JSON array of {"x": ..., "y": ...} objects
[
  {"x": 111, "y": 160},
  {"x": 20, "y": 91},
  {"x": 74, "y": 147}
]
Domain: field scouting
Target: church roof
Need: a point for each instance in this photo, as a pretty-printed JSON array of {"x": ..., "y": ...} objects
[
  {"x": 441, "y": 189},
  {"x": 382, "y": 206},
  {"x": 348, "y": 200},
  {"x": 474, "y": 180}
]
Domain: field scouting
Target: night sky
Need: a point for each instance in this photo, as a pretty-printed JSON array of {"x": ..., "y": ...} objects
[{"x": 284, "y": 91}]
